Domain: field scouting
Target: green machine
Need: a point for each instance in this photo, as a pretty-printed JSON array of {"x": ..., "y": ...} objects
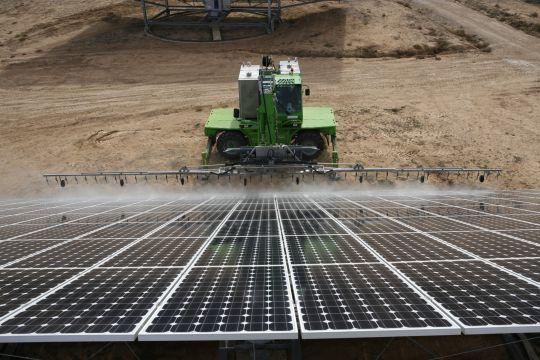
[
  {"x": 272, "y": 134},
  {"x": 271, "y": 125}
]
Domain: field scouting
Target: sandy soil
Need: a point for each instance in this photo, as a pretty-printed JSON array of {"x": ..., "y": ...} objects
[
  {"x": 520, "y": 14},
  {"x": 83, "y": 89}
]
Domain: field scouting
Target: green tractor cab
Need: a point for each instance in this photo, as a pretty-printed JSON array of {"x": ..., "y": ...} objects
[{"x": 271, "y": 125}]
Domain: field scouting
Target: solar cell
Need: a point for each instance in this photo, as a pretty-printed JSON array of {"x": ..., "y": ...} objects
[
  {"x": 323, "y": 249},
  {"x": 362, "y": 300},
  {"x": 253, "y": 215},
  {"x": 297, "y": 214},
  {"x": 21, "y": 209},
  {"x": 11, "y": 220},
  {"x": 14, "y": 323},
  {"x": 410, "y": 247},
  {"x": 528, "y": 235},
  {"x": 121, "y": 230},
  {"x": 440, "y": 210},
  {"x": 515, "y": 204},
  {"x": 205, "y": 216},
  {"x": 12, "y": 250},
  {"x": 373, "y": 225},
  {"x": 486, "y": 208},
  {"x": 482, "y": 298},
  {"x": 296, "y": 205},
  {"x": 528, "y": 267},
  {"x": 496, "y": 222},
  {"x": 158, "y": 252},
  {"x": 20, "y": 230},
  {"x": 351, "y": 213},
  {"x": 76, "y": 253},
  {"x": 435, "y": 224},
  {"x": 18, "y": 286},
  {"x": 532, "y": 218},
  {"x": 486, "y": 244},
  {"x": 63, "y": 231},
  {"x": 249, "y": 228},
  {"x": 321, "y": 226},
  {"x": 331, "y": 204},
  {"x": 59, "y": 231},
  {"x": 187, "y": 229},
  {"x": 53, "y": 212},
  {"x": 256, "y": 206},
  {"x": 421, "y": 227},
  {"x": 259, "y": 250}
]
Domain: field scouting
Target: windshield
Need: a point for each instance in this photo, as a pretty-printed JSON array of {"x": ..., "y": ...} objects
[{"x": 288, "y": 98}]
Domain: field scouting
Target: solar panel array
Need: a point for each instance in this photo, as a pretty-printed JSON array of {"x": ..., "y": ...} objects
[{"x": 270, "y": 266}]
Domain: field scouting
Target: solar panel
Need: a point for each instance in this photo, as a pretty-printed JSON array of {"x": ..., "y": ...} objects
[
  {"x": 12, "y": 250},
  {"x": 363, "y": 300},
  {"x": 249, "y": 228},
  {"x": 187, "y": 228},
  {"x": 237, "y": 289},
  {"x": 103, "y": 304},
  {"x": 496, "y": 222},
  {"x": 483, "y": 299},
  {"x": 528, "y": 267},
  {"x": 222, "y": 251},
  {"x": 410, "y": 247},
  {"x": 374, "y": 226},
  {"x": 19, "y": 286},
  {"x": 326, "y": 249},
  {"x": 77, "y": 253},
  {"x": 52, "y": 212},
  {"x": 158, "y": 252},
  {"x": 528, "y": 235},
  {"x": 354, "y": 299},
  {"x": 270, "y": 266},
  {"x": 301, "y": 227},
  {"x": 489, "y": 245},
  {"x": 94, "y": 304},
  {"x": 226, "y": 302},
  {"x": 531, "y": 218},
  {"x": 433, "y": 223}
]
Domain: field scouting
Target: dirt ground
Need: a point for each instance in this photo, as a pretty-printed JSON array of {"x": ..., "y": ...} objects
[
  {"x": 413, "y": 82},
  {"x": 522, "y": 15}
]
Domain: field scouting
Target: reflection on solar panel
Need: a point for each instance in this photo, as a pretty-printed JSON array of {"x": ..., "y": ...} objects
[
  {"x": 250, "y": 267},
  {"x": 361, "y": 301},
  {"x": 329, "y": 249}
]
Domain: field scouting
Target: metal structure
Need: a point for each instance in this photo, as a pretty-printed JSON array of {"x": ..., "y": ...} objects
[
  {"x": 211, "y": 14},
  {"x": 214, "y": 15},
  {"x": 294, "y": 172}
]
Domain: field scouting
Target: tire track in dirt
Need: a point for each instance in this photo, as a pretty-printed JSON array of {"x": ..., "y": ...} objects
[{"x": 504, "y": 38}]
